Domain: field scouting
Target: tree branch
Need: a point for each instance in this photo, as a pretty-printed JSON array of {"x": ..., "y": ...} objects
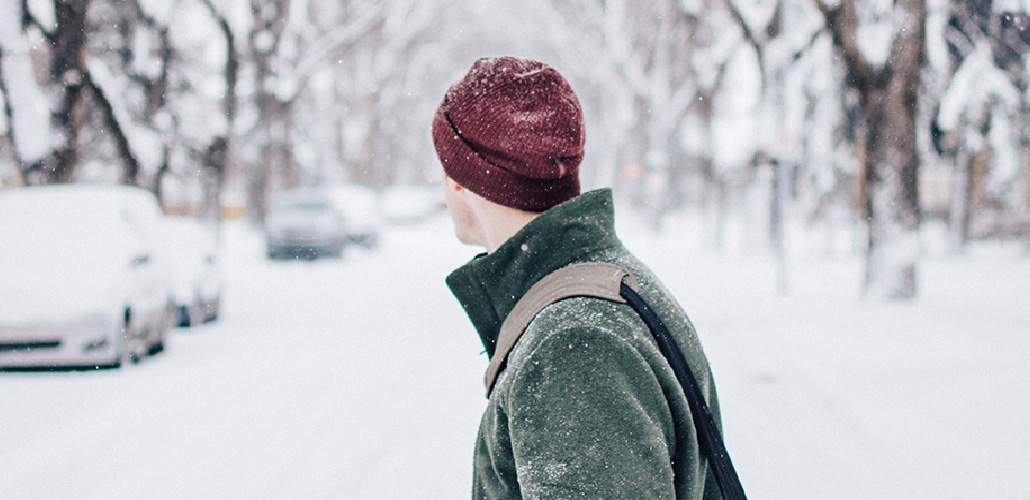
[
  {"x": 749, "y": 35},
  {"x": 232, "y": 64},
  {"x": 842, "y": 22},
  {"x": 27, "y": 20},
  {"x": 798, "y": 54},
  {"x": 130, "y": 173},
  {"x": 907, "y": 46},
  {"x": 769, "y": 32}
]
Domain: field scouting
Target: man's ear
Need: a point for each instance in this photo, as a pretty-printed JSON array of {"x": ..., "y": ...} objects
[{"x": 454, "y": 186}]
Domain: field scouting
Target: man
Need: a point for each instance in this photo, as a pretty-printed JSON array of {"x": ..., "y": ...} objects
[{"x": 585, "y": 405}]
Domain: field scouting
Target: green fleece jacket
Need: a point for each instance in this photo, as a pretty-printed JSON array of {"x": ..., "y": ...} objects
[{"x": 587, "y": 407}]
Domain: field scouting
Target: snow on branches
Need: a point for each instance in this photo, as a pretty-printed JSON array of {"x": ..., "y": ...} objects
[{"x": 26, "y": 104}]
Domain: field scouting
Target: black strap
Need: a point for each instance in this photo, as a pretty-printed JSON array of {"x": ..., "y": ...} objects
[{"x": 708, "y": 435}]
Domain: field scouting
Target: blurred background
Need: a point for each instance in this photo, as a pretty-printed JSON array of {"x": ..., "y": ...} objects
[{"x": 838, "y": 191}]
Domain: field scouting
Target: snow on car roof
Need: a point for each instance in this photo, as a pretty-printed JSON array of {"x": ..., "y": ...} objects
[
  {"x": 66, "y": 247},
  {"x": 93, "y": 219}
]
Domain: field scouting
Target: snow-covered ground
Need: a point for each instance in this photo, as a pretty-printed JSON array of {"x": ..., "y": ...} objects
[{"x": 361, "y": 379}]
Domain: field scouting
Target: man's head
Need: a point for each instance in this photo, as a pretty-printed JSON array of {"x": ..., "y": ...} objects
[{"x": 510, "y": 137}]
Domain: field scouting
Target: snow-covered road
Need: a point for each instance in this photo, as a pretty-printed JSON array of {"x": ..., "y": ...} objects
[{"x": 361, "y": 379}]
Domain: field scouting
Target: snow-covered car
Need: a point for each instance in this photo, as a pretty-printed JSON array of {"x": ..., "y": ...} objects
[
  {"x": 81, "y": 284},
  {"x": 304, "y": 224},
  {"x": 359, "y": 206},
  {"x": 411, "y": 204},
  {"x": 196, "y": 278}
]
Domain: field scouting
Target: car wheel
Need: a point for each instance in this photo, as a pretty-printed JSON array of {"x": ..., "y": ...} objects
[
  {"x": 156, "y": 348},
  {"x": 184, "y": 317},
  {"x": 158, "y": 343},
  {"x": 136, "y": 355},
  {"x": 125, "y": 354}
]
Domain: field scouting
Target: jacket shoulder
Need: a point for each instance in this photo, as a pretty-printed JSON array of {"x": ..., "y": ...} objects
[
  {"x": 572, "y": 318},
  {"x": 606, "y": 316}
]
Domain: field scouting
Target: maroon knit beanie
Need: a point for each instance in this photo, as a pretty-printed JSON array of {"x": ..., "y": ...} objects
[{"x": 512, "y": 132}]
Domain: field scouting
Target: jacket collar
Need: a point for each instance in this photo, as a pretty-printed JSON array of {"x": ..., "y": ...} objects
[{"x": 490, "y": 285}]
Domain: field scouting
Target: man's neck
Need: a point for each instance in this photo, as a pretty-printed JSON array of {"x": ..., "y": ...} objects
[{"x": 500, "y": 227}]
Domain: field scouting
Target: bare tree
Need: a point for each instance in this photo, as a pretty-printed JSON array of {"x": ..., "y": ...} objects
[
  {"x": 219, "y": 154},
  {"x": 67, "y": 78},
  {"x": 269, "y": 18},
  {"x": 76, "y": 82},
  {"x": 968, "y": 23},
  {"x": 980, "y": 123},
  {"x": 888, "y": 100},
  {"x": 775, "y": 58},
  {"x": 641, "y": 62}
]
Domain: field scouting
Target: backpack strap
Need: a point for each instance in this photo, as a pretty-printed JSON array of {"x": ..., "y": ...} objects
[{"x": 587, "y": 279}]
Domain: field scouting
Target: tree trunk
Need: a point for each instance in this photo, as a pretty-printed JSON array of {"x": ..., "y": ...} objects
[
  {"x": 292, "y": 175},
  {"x": 777, "y": 237},
  {"x": 67, "y": 73},
  {"x": 366, "y": 172},
  {"x": 9, "y": 119},
  {"x": 888, "y": 101},
  {"x": 339, "y": 125},
  {"x": 961, "y": 199},
  {"x": 892, "y": 187},
  {"x": 714, "y": 195},
  {"x": 220, "y": 152},
  {"x": 1024, "y": 162},
  {"x": 215, "y": 160},
  {"x": 230, "y": 105},
  {"x": 269, "y": 23}
]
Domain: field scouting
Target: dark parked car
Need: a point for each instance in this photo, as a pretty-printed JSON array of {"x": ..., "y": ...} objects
[{"x": 304, "y": 225}]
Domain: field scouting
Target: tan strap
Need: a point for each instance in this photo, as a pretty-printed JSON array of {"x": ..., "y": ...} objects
[{"x": 586, "y": 279}]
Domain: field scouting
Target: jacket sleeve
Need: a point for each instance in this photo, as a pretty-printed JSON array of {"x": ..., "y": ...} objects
[{"x": 587, "y": 418}]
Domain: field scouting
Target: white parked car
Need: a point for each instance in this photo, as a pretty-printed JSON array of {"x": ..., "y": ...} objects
[
  {"x": 81, "y": 282},
  {"x": 196, "y": 277},
  {"x": 360, "y": 206}
]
